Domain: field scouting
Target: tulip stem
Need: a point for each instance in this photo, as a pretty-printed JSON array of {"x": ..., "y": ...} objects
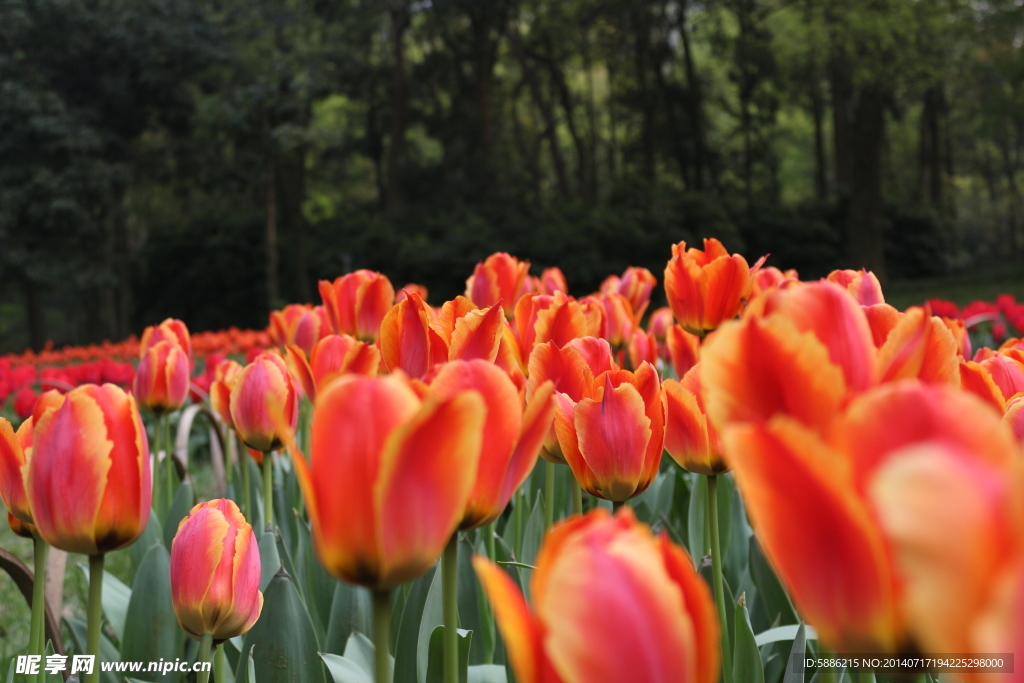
[
  {"x": 158, "y": 495},
  {"x": 166, "y": 422},
  {"x": 94, "y": 615},
  {"x": 491, "y": 530},
  {"x": 37, "y": 635},
  {"x": 268, "y": 489},
  {"x": 716, "y": 572},
  {"x": 617, "y": 505},
  {"x": 577, "y": 497},
  {"x": 382, "y": 635},
  {"x": 205, "y": 643},
  {"x": 549, "y": 497},
  {"x": 450, "y": 608},
  {"x": 243, "y": 462},
  {"x": 218, "y": 665}
]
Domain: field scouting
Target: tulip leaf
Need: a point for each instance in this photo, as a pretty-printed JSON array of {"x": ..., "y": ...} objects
[
  {"x": 360, "y": 650},
  {"x": 435, "y": 667},
  {"x": 471, "y": 615},
  {"x": 270, "y": 560},
  {"x": 344, "y": 670},
  {"x": 409, "y": 628},
  {"x": 116, "y": 596},
  {"x": 487, "y": 673},
  {"x": 319, "y": 586},
  {"x": 786, "y": 633},
  {"x": 351, "y": 612},
  {"x": 746, "y": 658},
  {"x": 679, "y": 513},
  {"x": 152, "y": 631},
  {"x": 283, "y": 643},
  {"x": 108, "y": 653},
  {"x": 795, "y": 674},
  {"x": 433, "y": 614},
  {"x": 773, "y": 597},
  {"x": 697, "y": 517},
  {"x": 153, "y": 534},
  {"x": 184, "y": 500}
]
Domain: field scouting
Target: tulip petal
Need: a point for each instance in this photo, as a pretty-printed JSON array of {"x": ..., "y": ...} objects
[
  {"x": 537, "y": 421},
  {"x": 922, "y": 347},
  {"x": 698, "y": 601},
  {"x": 12, "y": 460},
  {"x": 477, "y": 335},
  {"x": 519, "y": 629}
]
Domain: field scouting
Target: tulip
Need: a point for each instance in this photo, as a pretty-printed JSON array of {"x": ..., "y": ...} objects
[
  {"x": 591, "y": 567},
  {"x": 224, "y": 376},
  {"x": 299, "y": 325},
  {"x": 770, "y": 278},
  {"x": 388, "y": 482},
  {"x": 88, "y": 481},
  {"x": 356, "y": 303},
  {"x": 542, "y": 318},
  {"x": 642, "y": 347},
  {"x": 263, "y": 397},
  {"x": 332, "y": 356},
  {"x": 498, "y": 279},
  {"x": 551, "y": 281},
  {"x": 162, "y": 381},
  {"x": 26, "y": 530},
  {"x": 171, "y": 330},
  {"x": 25, "y": 402},
  {"x": 690, "y": 438},
  {"x": 411, "y": 288},
  {"x": 215, "y": 575},
  {"x": 636, "y": 285},
  {"x": 706, "y": 288},
  {"x": 862, "y": 284},
  {"x": 613, "y": 441},
  {"x": 683, "y": 349},
  {"x": 619, "y": 320}
]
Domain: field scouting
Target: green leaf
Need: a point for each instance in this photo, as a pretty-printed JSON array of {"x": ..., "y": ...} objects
[
  {"x": 532, "y": 537},
  {"x": 319, "y": 586},
  {"x": 784, "y": 633},
  {"x": 487, "y": 673},
  {"x": 116, "y": 596},
  {"x": 471, "y": 609},
  {"x": 270, "y": 559},
  {"x": 774, "y": 599},
  {"x": 351, "y": 612},
  {"x": 360, "y": 650},
  {"x": 696, "y": 525},
  {"x": 108, "y": 653},
  {"x": 409, "y": 628},
  {"x": 433, "y": 614},
  {"x": 799, "y": 650},
  {"x": 153, "y": 534},
  {"x": 435, "y": 667},
  {"x": 152, "y": 632},
  {"x": 184, "y": 500},
  {"x": 344, "y": 670},
  {"x": 283, "y": 643},
  {"x": 746, "y": 658}
]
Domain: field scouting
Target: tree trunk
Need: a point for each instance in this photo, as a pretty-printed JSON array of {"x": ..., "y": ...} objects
[
  {"x": 35, "y": 315},
  {"x": 270, "y": 237},
  {"x": 291, "y": 185},
  {"x": 696, "y": 103},
  {"x": 842, "y": 98},
  {"x": 399, "y": 104},
  {"x": 930, "y": 161},
  {"x": 864, "y": 239},
  {"x": 642, "y": 57},
  {"x": 820, "y": 154}
]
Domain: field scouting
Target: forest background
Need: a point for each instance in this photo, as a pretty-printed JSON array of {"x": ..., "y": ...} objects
[{"x": 212, "y": 159}]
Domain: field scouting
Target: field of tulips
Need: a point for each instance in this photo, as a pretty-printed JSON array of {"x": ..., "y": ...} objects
[{"x": 379, "y": 489}]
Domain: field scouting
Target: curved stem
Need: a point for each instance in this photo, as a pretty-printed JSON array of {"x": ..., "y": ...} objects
[
  {"x": 268, "y": 489},
  {"x": 716, "y": 572},
  {"x": 382, "y": 635},
  {"x": 204, "y": 656},
  {"x": 549, "y": 494},
  {"x": 37, "y": 634},
  {"x": 218, "y": 665},
  {"x": 450, "y": 604},
  {"x": 166, "y": 419},
  {"x": 577, "y": 497},
  {"x": 94, "y": 616},
  {"x": 243, "y": 462}
]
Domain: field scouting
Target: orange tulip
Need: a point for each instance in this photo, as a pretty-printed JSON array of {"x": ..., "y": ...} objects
[
  {"x": 683, "y": 349},
  {"x": 664, "y": 631},
  {"x": 642, "y": 347},
  {"x": 862, "y": 284},
  {"x": 770, "y": 278},
  {"x": 15, "y": 449},
  {"x": 660, "y": 322},
  {"x": 389, "y": 476},
  {"x": 411, "y": 288},
  {"x": 332, "y": 356},
  {"x": 636, "y": 284},
  {"x": 541, "y": 318},
  {"x": 612, "y": 439},
  {"x": 162, "y": 379},
  {"x": 172, "y": 330},
  {"x": 356, "y": 303},
  {"x": 88, "y": 478},
  {"x": 500, "y": 278},
  {"x": 921, "y": 346},
  {"x": 224, "y": 376},
  {"x": 299, "y": 325},
  {"x": 706, "y": 288},
  {"x": 414, "y": 338},
  {"x": 215, "y": 572},
  {"x": 619, "y": 321},
  {"x": 262, "y": 387},
  {"x": 20, "y": 528},
  {"x": 690, "y": 438},
  {"x": 551, "y": 281}
]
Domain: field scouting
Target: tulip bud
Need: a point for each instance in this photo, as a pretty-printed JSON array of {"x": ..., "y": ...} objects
[
  {"x": 357, "y": 303},
  {"x": 162, "y": 381},
  {"x": 15, "y": 449},
  {"x": 263, "y": 386},
  {"x": 690, "y": 438},
  {"x": 88, "y": 479},
  {"x": 215, "y": 572},
  {"x": 224, "y": 376},
  {"x": 171, "y": 330},
  {"x": 706, "y": 288},
  {"x": 498, "y": 279}
]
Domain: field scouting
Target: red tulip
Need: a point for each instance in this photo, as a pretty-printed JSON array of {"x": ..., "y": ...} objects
[
  {"x": 15, "y": 449},
  {"x": 636, "y": 284},
  {"x": 357, "y": 303},
  {"x": 88, "y": 479},
  {"x": 541, "y": 318},
  {"x": 862, "y": 284},
  {"x": 664, "y": 631},
  {"x": 215, "y": 572},
  {"x": 261, "y": 388},
  {"x": 690, "y": 438},
  {"x": 706, "y": 288},
  {"x": 224, "y": 376},
  {"x": 171, "y": 330},
  {"x": 498, "y": 279},
  {"x": 299, "y": 325},
  {"x": 161, "y": 383},
  {"x": 332, "y": 356}
]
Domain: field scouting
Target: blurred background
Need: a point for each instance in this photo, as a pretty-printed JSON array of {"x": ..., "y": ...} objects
[{"x": 212, "y": 159}]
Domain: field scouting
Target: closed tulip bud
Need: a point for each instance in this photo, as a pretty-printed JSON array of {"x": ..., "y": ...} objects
[
  {"x": 861, "y": 284},
  {"x": 498, "y": 279},
  {"x": 642, "y": 347},
  {"x": 299, "y": 325},
  {"x": 215, "y": 572},
  {"x": 170, "y": 330},
  {"x": 551, "y": 280},
  {"x": 389, "y": 476},
  {"x": 334, "y": 355},
  {"x": 660, "y": 322},
  {"x": 162, "y": 381},
  {"x": 263, "y": 386},
  {"x": 690, "y": 438},
  {"x": 636, "y": 284},
  {"x": 770, "y": 278},
  {"x": 512, "y": 436},
  {"x": 88, "y": 478},
  {"x": 556, "y": 318},
  {"x": 224, "y": 376},
  {"x": 411, "y": 288},
  {"x": 612, "y": 439},
  {"x": 683, "y": 349},
  {"x": 15, "y": 449},
  {"x": 619, "y": 319},
  {"x": 706, "y": 288},
  {"x": 357, "y": 303},
  {"x": 664, "y": 631}
]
